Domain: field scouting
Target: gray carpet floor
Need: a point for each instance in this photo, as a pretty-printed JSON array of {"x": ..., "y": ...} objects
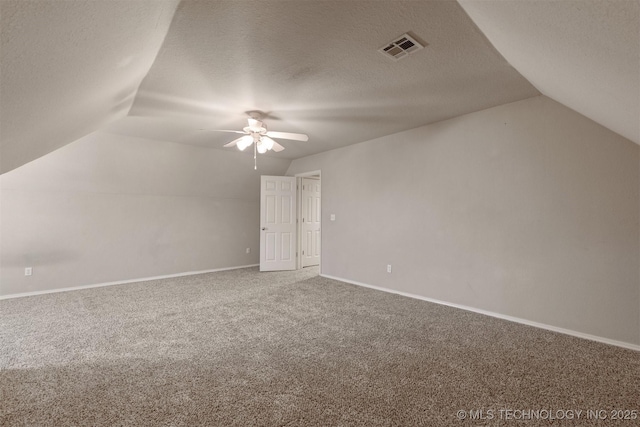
[{"x": 241, "y": 348}]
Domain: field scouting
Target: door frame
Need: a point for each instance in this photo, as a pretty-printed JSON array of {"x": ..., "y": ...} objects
[{"x": 299, "y": 176}]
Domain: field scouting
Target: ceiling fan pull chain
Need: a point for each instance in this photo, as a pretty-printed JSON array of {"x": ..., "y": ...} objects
[{"x": 255, "y": 161}]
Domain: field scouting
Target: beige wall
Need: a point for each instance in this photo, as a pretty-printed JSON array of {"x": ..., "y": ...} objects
[
  {"x": 527, "y": 209},
  {"x": 110, "y": 208}
]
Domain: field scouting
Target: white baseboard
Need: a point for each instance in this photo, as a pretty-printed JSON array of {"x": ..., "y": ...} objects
[
  {"x": 122, "y": 282},
  {"x": 493, "y": 314}
]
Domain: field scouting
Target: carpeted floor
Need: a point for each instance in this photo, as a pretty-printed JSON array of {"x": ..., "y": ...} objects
[{"x": 241, "y": 348}]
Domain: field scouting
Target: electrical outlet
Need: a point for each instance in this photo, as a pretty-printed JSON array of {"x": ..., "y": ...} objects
[
  {"x": 388, "y": 268},
  {"x": 333, "y": 217},
  {"x": 28, "y": 271},
  {"x": 248, "y": 250}
]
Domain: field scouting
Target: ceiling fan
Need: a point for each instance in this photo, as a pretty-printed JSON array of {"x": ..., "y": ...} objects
[{"x": 256, "y": 133}]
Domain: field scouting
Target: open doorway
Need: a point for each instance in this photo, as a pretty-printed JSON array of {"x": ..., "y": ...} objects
[{"x": 309, "y": 219}]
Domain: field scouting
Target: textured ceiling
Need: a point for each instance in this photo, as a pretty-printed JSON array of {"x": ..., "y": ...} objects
[
  {"x": 315, "y": 67},
  {"x": 70, "y": 67},
  {"x": 584, "y": 54}
]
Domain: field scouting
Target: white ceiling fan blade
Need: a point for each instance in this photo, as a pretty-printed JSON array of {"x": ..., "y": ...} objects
[
  {"x": 226, "y": 130},
  {"x": 288, "y": 135},
  {"x": 277, "y": 147},
  {"x": 234, "y": 142}
]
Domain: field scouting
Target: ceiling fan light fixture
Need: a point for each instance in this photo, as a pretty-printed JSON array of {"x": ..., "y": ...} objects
[
  {"x": 244, "y": 142},
  {"x": 261, "y": 148},
  {"x": 267, "y": 142}
]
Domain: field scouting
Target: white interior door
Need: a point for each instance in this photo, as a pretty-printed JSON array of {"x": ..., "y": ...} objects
[
  {"x": 310, "y": 252},
  {"x": 277, "y": 223}
]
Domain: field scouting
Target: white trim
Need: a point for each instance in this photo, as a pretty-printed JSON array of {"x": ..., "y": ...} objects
[
  {"x": 298, "y": 222},
  {"x": 309, "y": 174},
  {"x": 121, "y": 282},
  {"x": 623, "y": 344}
]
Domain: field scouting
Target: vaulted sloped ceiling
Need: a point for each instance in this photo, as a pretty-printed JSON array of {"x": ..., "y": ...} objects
[
  {"x": 315, "y": 67},
  {"x": 69, "y": 68},
  {"x": 584, "y": 54},
  {"x": 162, "y": 70}
]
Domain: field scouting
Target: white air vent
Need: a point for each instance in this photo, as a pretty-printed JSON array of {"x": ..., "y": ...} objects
[{"x": 401, "y": 47}]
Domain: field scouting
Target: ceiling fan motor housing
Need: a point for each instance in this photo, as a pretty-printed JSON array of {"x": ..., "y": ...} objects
[{"x": 255, "y": 126}]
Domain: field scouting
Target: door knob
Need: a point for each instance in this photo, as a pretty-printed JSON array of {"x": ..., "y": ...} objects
[{"x": 264, "y": 228}]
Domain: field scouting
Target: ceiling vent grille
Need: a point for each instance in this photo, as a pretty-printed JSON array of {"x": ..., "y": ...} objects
[{"x": 401, "y": 47}]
